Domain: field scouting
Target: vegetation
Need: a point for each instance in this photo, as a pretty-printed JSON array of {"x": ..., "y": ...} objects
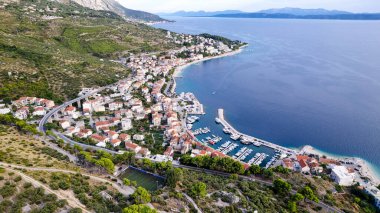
[
  {"x": 16, "y": 193},
  {"x": 141, "y": 196},
  {"x": 236, "y": 44},
  {"x": 215, "y": 163},
  {"x": 138, "y": 209},
  {"x": 20, "y": 124},
  {"x": 102, "y": 160},
  {"x": 54, "y": 58}
]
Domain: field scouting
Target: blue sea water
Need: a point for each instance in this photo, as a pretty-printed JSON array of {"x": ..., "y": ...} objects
[{"x": 299, "y": 82}]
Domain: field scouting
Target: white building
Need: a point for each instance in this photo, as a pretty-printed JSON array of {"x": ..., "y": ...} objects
[
  {"x": 126, "y": 124},
  {"x": 4, "y": 111},
  {"x": 375, "y": 193},
  {"x": 138, "y": 137},
  {"x": 341, "y": 175}
]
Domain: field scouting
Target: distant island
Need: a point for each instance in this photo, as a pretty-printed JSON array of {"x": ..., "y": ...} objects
[{"x": 283, "y": 13}]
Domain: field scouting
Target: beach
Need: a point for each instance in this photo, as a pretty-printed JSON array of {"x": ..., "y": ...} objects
[
  {"x": 179, "y": 69},
  {"x": 365, "y": 168}
]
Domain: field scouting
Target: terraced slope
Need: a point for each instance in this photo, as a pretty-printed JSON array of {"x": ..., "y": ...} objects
[{"x": 51, "y": 50}]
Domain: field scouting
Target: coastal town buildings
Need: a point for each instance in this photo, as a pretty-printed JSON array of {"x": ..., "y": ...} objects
[{"x": 342, "y": 175}]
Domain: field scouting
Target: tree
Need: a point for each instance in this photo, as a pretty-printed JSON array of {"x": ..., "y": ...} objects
[
  {"x": 255, "y": 169},
  {"x": 75, "y": 210},
  {"x": 309, "y": 194},
  {"x": 268, "y": 173},
  {"x": 297, "y": 197},
  {"x": 126, "y": 182},
  {"x": 141, "y": 196},
  {"x": 173, "y": 176},
  {"x": 198, "y": 189},
  {"x": 138, "y": 209},
  {"x": 292, "y": 206},
  {"x": 281, "y": 186}
]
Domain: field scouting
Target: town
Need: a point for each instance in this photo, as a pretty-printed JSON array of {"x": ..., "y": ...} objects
[{"x": 142, "y": 114}]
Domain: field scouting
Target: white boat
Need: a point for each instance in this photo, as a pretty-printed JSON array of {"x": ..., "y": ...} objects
[
  {"x": 217, "y": 120},
  {"x": 235, "y": 137}
]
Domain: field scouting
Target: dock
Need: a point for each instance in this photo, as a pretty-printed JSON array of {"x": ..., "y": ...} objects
[{"x": 220, "y": 119}]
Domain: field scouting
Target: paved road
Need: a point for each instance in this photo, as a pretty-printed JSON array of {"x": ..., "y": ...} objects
[
  {"x": 268, "y": 183},
  {"x": 85, "y": 146},
  {"x": 44, "y": 120}
]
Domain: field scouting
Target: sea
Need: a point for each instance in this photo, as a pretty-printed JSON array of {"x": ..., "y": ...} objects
[{"x": 299, "y": 82}]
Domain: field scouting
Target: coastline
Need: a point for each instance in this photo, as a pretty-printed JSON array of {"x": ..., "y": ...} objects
[
  {"x": 366, "y": 168},
  {"x": 179, "y": 69}
]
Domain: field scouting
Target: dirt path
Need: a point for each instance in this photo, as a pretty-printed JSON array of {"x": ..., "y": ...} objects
[
  {"x": 74, "y": 203},
  {"x": 125, "y": 190},
  {"x": 192, "y": 202}
]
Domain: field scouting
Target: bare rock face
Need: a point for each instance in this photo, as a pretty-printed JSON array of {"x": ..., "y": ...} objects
[{"x": 116, "y": 7}]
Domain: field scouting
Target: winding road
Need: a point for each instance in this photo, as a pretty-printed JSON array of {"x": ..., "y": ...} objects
[{"x": 85, "y": 146}]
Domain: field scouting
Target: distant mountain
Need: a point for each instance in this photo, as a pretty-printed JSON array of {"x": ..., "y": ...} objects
[
  {"x": 302, "y": 12},
  {"x": 200, "y": 13},
  {"x": 297, "y": 13},
  {"x": 116, "y": 7}
]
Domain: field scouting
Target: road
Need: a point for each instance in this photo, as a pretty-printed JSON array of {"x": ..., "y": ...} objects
[
  {"x": 85, "y": 146},
  {"x": 125, "y": 190},
  {"x": 44, "y": 120},
  {"x": 252, "y": 178}
]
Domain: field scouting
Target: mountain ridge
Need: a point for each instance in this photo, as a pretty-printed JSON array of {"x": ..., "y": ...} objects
[
  {"x": 199, "y": 13},
  {"x": 116, "y": 7}
]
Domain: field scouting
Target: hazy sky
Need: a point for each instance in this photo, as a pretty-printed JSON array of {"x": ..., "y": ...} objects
[{"x": 249, "y": 5}]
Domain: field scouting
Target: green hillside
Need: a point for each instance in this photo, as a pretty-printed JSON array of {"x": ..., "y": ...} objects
[{"x": 51, "y": 50}]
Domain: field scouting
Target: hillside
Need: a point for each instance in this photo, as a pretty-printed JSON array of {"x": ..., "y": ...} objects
[
  {"x": 51, "y": 50},
  {"x": 116, "y": 7},
  {"x": 302, "y": 12},
  {"x": 296, "y": 13}
]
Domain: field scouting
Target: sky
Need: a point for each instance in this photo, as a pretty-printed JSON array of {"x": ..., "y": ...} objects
[{"x": 156, "y": 6}]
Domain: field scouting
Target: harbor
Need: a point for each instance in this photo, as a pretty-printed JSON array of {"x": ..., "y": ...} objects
[
  {"x": 218, "y": 134},
  {"x": 247, "y": 139}
]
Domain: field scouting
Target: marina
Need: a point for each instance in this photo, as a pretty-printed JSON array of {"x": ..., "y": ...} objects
[{"x": 235, "y": 135}]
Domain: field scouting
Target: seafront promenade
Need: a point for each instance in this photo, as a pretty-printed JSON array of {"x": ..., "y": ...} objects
[{"x": 250, "y": 139}]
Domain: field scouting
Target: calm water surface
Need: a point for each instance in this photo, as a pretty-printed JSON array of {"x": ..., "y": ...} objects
[{"x": 299, "y": 82}]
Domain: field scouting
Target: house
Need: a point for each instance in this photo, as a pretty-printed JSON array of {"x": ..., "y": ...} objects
[
  {"x": 39, "y": 111},
  {"x": 115, "y": 142},
  {"x": 126, "y": 124},
  {"x": 375, "y": 192},
  {"x": 115, "y": 106},
  {"x": 100, "y": 140},
  {"x": 169, "y": 151},
  {"x": 112, "y": 135},
  {"x": 70, "y": 110},
  {"x": 64, "y": 124},
  {"x": 341, "y": 175},
  {"x": 156, "y": 119},
  {"x": 4, "y": 110},
  {"x": 22, "y": 113},
  {"x": 144, "y": 152},
  {"x": 304, "y": 168},
  {"x": 287, "y": 163},
  {"x": 101, "y": 124},
  {"x": 138, "y": 137},
  {"x": 132, "y": 147},
  {"x": 71, "y": 131},
  {"x": 48, "y": 103},
  {"x": 124, "y": 137},
  {"x": 84, "y": 133}
]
